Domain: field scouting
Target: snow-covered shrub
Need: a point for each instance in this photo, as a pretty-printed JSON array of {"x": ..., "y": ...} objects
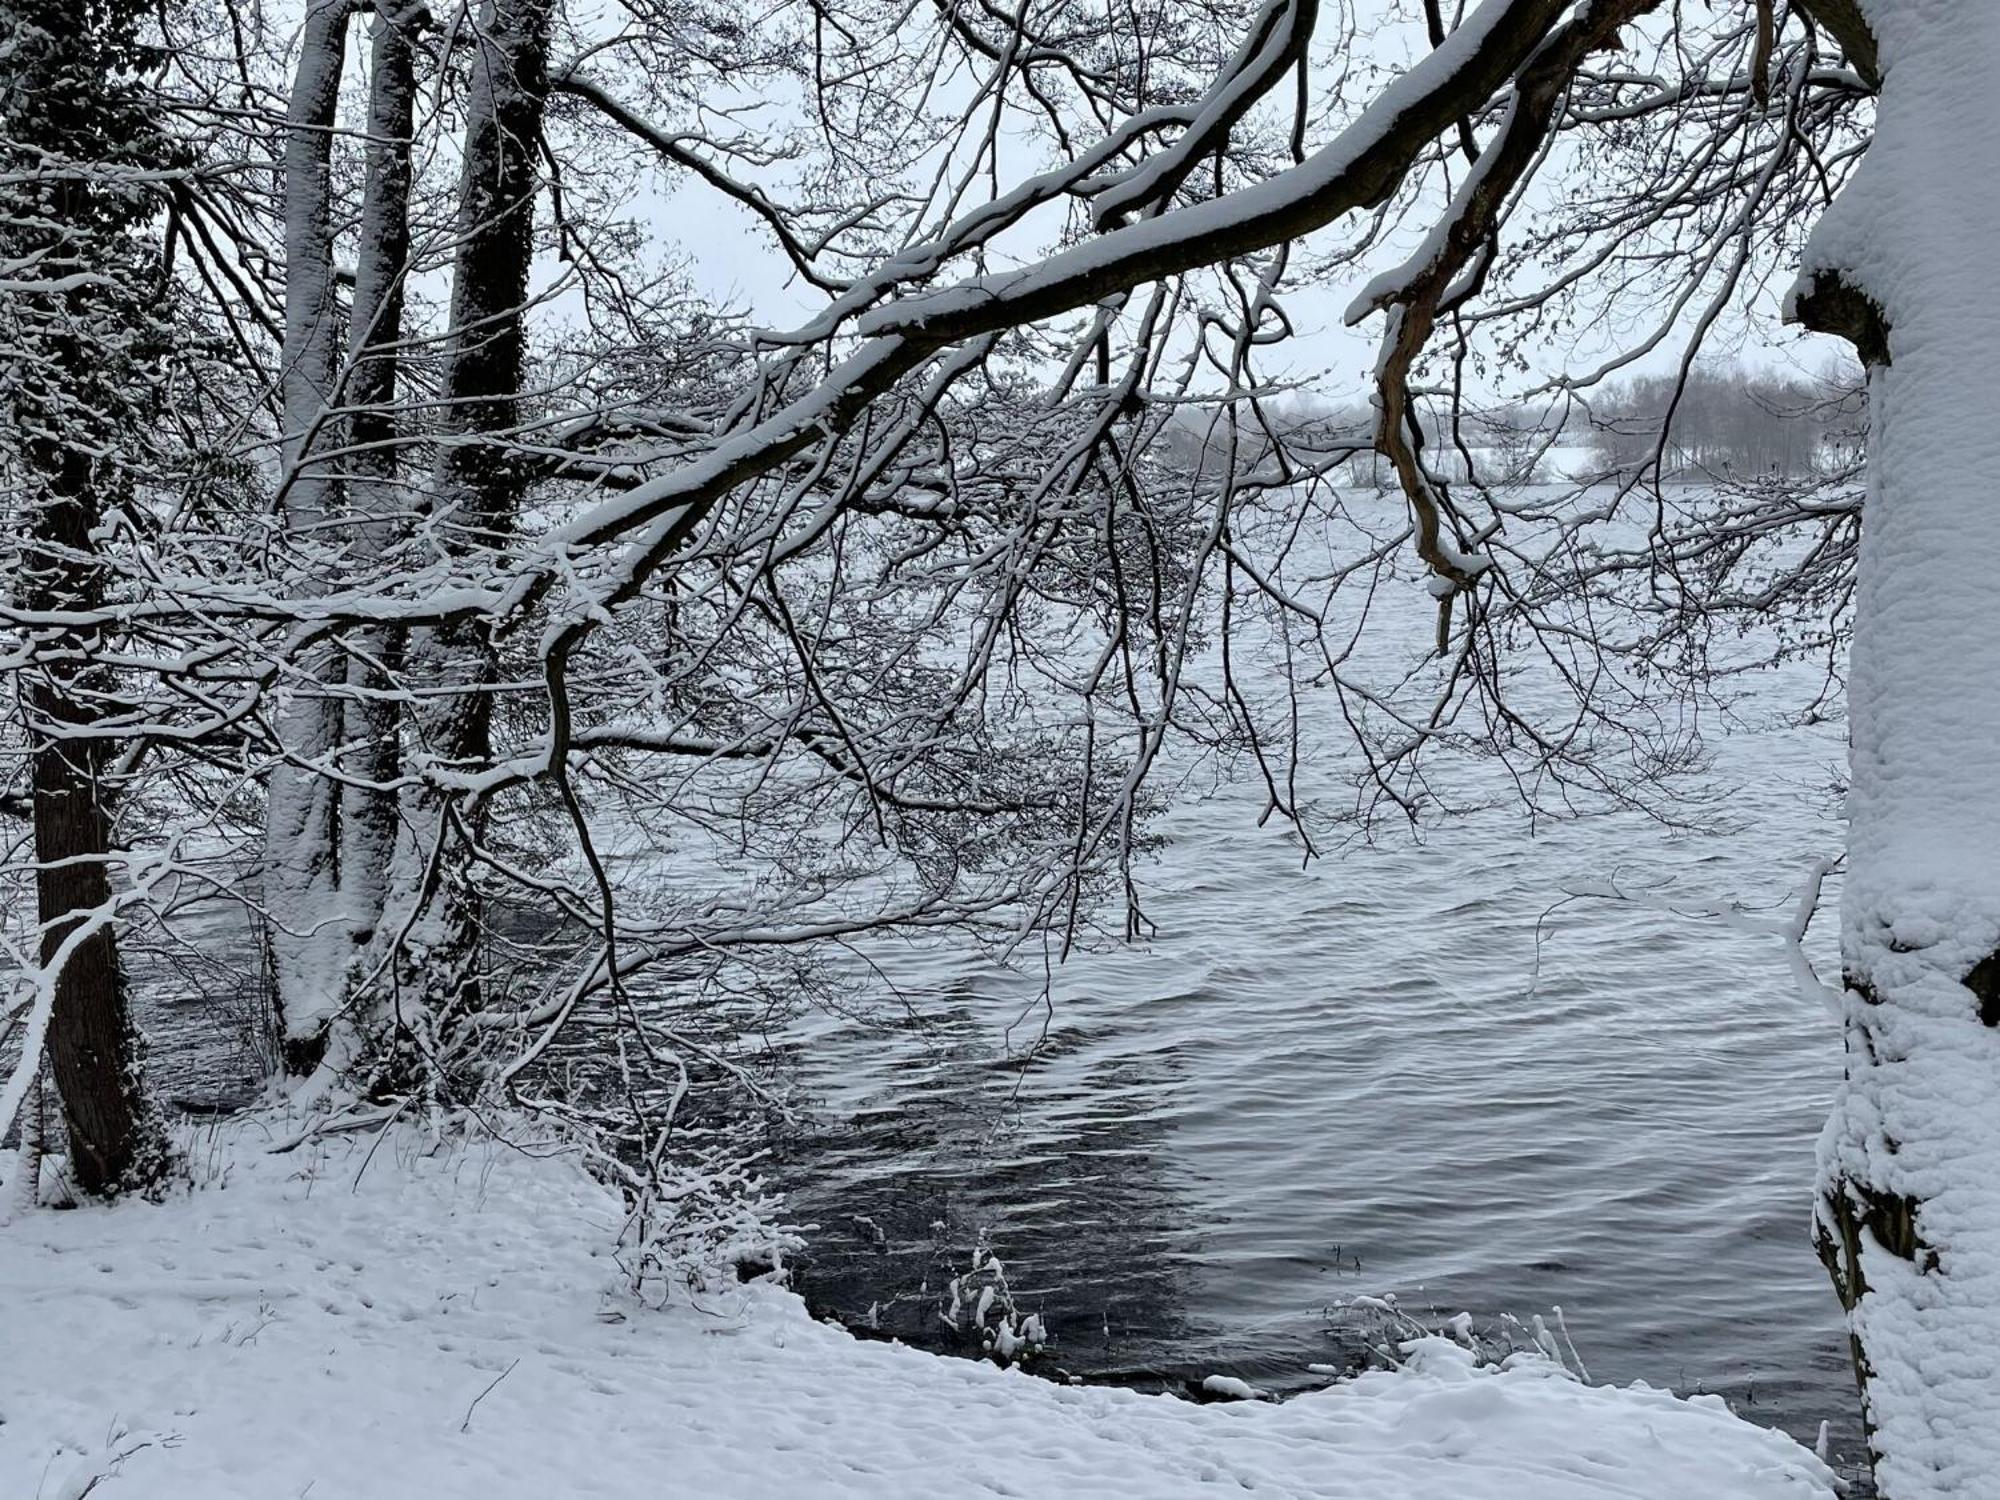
[
  {"x": 979, "y": 1305},
  {"x": 700, "y": 1220},
  {"x": 653, "y": 1084},
  {"x": 1386, "y": 1331}
]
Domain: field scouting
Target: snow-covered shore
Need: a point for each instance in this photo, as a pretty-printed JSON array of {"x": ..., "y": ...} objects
[{"x": 453, "y": 1325}]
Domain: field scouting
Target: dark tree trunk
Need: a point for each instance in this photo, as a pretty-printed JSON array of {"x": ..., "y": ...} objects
[
  {"x": 93, "y": 1047},
  {"x": 82, "y": 140}
]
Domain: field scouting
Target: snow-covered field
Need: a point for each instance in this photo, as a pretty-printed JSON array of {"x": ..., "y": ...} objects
[{"x": 357, "y": 1320}]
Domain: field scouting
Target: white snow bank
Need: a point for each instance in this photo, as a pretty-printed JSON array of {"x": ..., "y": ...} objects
[{"x": 287, "y": 1332}]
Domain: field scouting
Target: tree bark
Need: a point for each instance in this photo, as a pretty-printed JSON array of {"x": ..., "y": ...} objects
[
  {"x": 1848, "y": 24},
  {"x": 370, "y": 758},
  {"x": 479, "y": 486},
  {"x": 75, "y": 418},
  {"x": 25, "y": 1191},
  {"x": 333, "y": 814},
  {"x": 1908, "y": 1213},
  {"x": 306, "y": 937},
  {"x": 368, "y": 812},
  {"x": 93, "y": 1047}
]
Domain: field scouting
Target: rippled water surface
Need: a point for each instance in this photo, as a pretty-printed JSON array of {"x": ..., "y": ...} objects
[
  {"x": 1369, "y": 1076},
  {"x": 1403, "y": 1069}
]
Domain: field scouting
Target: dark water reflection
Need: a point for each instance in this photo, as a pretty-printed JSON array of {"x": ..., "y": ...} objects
[
  {"x": 1394, "y": 1072},
  {"x": 904, "y": 1189}
]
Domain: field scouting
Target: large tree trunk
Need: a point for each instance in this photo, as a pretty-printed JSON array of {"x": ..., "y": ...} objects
[
  {"x": 479, "y": 486},
  {"x": 93, "y": 1047},
  {"x": 309, "y": 946},
  {"x": 1908, "y": 1217},
  {"x": 371, "y": 755},
  {"x": 333, "y": 814},
  {"x": 75, "y": 416}
]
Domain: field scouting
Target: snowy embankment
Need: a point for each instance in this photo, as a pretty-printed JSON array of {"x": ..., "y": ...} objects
[{"x": 347, "y": 1326}]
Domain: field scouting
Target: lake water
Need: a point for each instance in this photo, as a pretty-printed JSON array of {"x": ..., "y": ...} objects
[
  {"x": 1395, "y": 1071},
  {"x": 1392, "y": 1072}
]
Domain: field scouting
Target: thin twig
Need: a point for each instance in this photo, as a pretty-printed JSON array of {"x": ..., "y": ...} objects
[{"x": 467, "y": 1423}]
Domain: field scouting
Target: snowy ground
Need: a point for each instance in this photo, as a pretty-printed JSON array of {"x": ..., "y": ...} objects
[{"x": 454, "y": 1325}]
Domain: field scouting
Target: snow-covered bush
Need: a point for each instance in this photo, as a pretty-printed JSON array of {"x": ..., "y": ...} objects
[
  {"x": 700, "y": 1220},
  {"x": 1385, "y": 1331},
  {"x": 979, "y": 1305}
]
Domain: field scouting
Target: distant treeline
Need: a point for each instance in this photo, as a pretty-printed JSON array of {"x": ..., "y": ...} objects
[
  {"x": 1725, "y": 422},
  {"x": 1731, "y": 423}
]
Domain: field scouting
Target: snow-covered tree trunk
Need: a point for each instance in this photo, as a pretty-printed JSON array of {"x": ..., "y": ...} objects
[
  {"x": 479, "y": 486},
  {"x": 1908, "y": 1215},
  {"x": 310, "y": 946},
  {"x": 330, "y": 837},
  {"x": 24, "y": 1192},
  {"x": 366, "y": 814}
]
